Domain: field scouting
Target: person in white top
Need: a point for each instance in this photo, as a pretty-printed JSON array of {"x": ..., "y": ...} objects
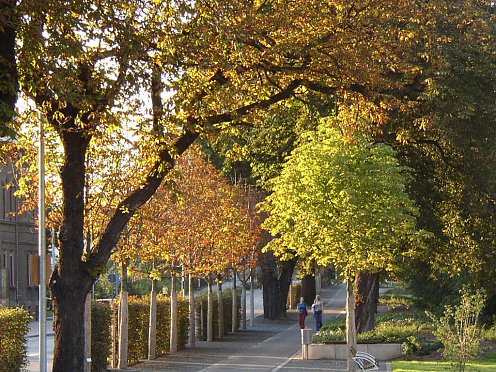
[{"x": 318, "y": 307}]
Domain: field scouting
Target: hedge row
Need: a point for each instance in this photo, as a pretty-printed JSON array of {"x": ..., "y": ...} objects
[
  {"x": 14, "y": 326},
  {"x": 201, "y": 313},
  {"x": 101, "y": 336},
  {"x": 139, "y": 312}
]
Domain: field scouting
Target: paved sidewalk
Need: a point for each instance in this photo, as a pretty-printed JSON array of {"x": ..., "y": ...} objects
[{"x": 269, "y": 346}]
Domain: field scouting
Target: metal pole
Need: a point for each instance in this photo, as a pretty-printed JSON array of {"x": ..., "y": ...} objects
[{"x": 42, "y": 249}]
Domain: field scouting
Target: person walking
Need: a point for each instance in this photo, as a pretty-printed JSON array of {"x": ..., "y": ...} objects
[
  {"x": 318, "y": 307},
  {"x": 302, "y": 312}
]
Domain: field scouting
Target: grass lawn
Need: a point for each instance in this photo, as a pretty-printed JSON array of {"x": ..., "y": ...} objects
[{"x": 483, "y": 364}]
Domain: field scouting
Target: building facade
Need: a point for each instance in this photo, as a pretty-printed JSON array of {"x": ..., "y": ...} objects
[{"x": 18, "y": 241}]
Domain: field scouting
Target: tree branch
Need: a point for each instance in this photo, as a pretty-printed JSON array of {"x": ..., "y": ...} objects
[{"x": 128, "y": 207}]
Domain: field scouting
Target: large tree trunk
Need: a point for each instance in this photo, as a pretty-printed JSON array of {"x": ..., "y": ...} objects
[
  {"x": 8, "y": 68},
  {"x": 308, "y": 290},
  {"x": 276, "y": 289},
  {"x": 366, "y": 288},
  {"x": 71, "y": 281}
]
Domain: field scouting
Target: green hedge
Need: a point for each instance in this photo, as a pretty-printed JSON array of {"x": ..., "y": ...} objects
[
  {"x": 139, "y": 312},
  {"x": 101, "y": 335},
  {"x": 14, "y": 327},
  {"x": 201, "y": 311}
]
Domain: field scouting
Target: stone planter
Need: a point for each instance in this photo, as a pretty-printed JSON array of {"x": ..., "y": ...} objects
[{"x": 339, "y": 351}]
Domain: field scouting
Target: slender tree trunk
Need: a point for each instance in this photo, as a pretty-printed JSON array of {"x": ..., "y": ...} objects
[
  {"x": 123, "y": 321},
  {"x": 234, "y": 326},
  {"x": 174, "y": 317},
  {"x": 252, "y": 299},
  {"x": 210, "y": 310},
  {"x": 183, "y": 282},
  {"x": 351, "y": 341},
  {"x": 191, "y": 338},
  {"x": 366, "y": 300},
  {"x": 152, "y": 327},
  {"x": 220, "y": 312},
  {"x": 243, "y": 302},
  {"x": 87, "y": 333}
]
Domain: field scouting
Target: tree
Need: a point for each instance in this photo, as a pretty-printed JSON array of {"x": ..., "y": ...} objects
[
  {"x": 344, "y": 204},
  {"x": 84, "y": 65},
  {"x": 9, "y": 84}
]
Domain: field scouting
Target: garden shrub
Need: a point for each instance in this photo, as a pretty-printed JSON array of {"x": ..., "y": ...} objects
[
  {"x": 458, "y": 328},
  {"x": 490, "y": 334},
  {"x": 395, "y": 300},
  {"x": 14, "y": 326},
  {"x": 411, "y": 328},
  {"x": 201, "y": 313},
  {"x": 101, "y": 335}
]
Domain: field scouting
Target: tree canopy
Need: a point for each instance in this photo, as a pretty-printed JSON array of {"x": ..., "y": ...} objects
[{"x": 342, "y": 203}]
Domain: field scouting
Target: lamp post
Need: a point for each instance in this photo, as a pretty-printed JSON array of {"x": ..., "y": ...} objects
[{"x": 42, "y": 248}]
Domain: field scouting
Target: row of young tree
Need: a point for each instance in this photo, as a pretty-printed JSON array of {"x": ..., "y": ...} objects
[{"x": 129, "y": 86}]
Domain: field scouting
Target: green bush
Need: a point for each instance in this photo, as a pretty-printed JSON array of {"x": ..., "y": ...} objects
[
  {"x": 458, "y": 328},
  {"x": 395, "y": 300},
  {"x": 101, "y": 335},
  {"x": 14, "y": 326},
  {"x": 201, "y": 313},
  {"x": 490, "y": 334},
  {"x": 411, "y": 328}
]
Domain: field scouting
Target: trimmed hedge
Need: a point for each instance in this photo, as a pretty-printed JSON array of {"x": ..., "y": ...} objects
[
  {"x": 201, "y": 304},
  {"x": 101, "y": 335},
  {"x": 139, "y": 312},
  {"x": 14, "y": 327}
]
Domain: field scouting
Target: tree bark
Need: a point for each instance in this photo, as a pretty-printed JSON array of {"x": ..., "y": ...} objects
[
  {"x": 308, "y": 290},
  {"x": 8, "y": 66},
  {"x": 174, "y": 316},
  {"x": 243, "y": 302},
  {"x": 152, "y": 327},
  {"x": 276, "y": 289},
  {"x": 220, "y": 312},
  {"x": 87, "y": 333},
  {"x": 366, "y": 288},
  {"x": 210, "y": 311},
  {"x": 234, "y": 327},
  {"x": 252, "y": 299},
  {"x": 191, "y": 334},
  {"x": 351, "y": 341},
  {"x": 71, "y": 282},
  {"x": 123, "y": 322}
]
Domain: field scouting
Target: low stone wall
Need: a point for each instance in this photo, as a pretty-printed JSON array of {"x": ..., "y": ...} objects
[{"x": 339, "y": 351}]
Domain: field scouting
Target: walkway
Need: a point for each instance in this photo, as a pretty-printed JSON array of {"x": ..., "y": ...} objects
[{"x": 269, "y": 346}]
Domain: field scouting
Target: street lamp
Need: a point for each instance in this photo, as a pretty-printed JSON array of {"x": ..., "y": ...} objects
[{"x": 41, "y": 247}]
